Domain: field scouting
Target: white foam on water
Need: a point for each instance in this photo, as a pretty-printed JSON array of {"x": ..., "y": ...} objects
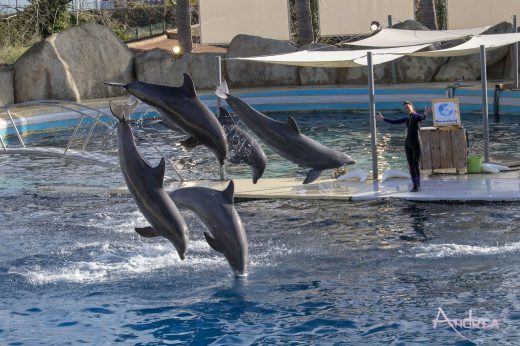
[
  {"x": 108, "y": 264},
  {"x": 453, "y": 250}
]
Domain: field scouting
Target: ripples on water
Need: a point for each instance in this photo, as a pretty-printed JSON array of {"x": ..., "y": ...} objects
[{"x": 72, "y": 270}]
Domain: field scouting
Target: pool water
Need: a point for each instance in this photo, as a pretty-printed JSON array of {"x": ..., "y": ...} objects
[{"x": 73, "y": 271}]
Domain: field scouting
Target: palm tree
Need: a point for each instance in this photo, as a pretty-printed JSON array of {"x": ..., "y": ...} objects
[
  {"x": 304, "y": 22},
  {"x": 428, "y": 14},
  {"x": 183, "y": 19}
]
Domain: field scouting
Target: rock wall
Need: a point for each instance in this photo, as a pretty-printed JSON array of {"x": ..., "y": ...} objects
[
  {"x": 6, "y": 86},
  {"x": 72, "y": 64},
  {"x": 241, "y": 74},
  {"x": 159, "y": 66}
]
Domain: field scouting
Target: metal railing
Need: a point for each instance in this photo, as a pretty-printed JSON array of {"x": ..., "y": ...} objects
[{"x": 84, "y": 112}]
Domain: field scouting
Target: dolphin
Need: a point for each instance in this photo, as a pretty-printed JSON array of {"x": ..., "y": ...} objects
[
  {"x": 145, "y": 183},
  {"x": 243, "y": 148},
  {"x": 180, "y": 106},
  {"x": 216, "y": 210},
  {"x": 286, "y": 139}
]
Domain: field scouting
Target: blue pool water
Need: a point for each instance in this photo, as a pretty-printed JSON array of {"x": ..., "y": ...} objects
[{"x": 73, "y": 271}]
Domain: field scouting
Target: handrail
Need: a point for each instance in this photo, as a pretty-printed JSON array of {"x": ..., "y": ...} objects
[{"x": 84, "y": 111}]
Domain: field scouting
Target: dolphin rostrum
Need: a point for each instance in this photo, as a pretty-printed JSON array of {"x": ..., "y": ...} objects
[
  {"x": 216, "y": 210},
  {"x": 243, "y": 148},
  {"x": 181, "y": 107},
  {"x": 145, "y": 183},
  {"x": 286, "y": 139}
]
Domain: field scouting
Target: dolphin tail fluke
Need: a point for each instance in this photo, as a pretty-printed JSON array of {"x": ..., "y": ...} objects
[
  {"x": 222, "y": 90},
  {"x": 147, "y": 232},
  {"x": 312, "y": 175},
  {"x": 122, "y": 109}
]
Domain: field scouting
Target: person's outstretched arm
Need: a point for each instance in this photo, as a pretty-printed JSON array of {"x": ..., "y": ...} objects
[{"x": 391, "y": 121}]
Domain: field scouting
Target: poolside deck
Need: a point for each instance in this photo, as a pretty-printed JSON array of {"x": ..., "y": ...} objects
[{"x": 504, "y": 186}]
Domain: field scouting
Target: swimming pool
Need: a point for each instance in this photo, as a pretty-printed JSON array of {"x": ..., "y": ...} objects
[{"x": 72, "y": 270}]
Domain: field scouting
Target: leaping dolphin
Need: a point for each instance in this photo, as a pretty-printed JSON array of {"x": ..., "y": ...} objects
[
  {"x": 286, "y": 139},
  {"x": 145, "y": 183},
  {"x": 182, "y": 107},
  {"x": 216, "y": 210},
  {"x": 242, "y": 147}
]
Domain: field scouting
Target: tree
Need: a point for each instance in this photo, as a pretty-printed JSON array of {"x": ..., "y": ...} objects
[
  {"x": 51, "y": 15},
  {"x": 304, "y": 22},
  {"x": 428, "y": 14},
  {"x": 183, "y": 19}
]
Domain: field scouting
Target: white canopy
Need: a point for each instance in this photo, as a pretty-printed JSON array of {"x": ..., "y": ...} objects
[
  {"x": 399, "y": 37},
  {"x": 473, "y": 45},
  {"x": 335, "y": 58}
]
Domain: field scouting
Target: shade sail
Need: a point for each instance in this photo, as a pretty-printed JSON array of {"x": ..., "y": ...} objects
[
  {"x": 473, "y": 45},
  {"x": 337, "y": 58},
  {"x": 399, "y": 37}
]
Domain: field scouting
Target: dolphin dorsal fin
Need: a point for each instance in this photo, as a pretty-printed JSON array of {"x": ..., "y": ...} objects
[
  {"x": 188, "y": 87},
  {"x": 158, "y": 171},
  {"x": 229, "y": 192},
  {"x": 214, "y": 243},
  {"x": 224, "y": 117},
  {"x": 292, "y": 124}
]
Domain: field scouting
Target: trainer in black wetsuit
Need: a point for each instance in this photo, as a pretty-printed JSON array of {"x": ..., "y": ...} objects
[{"x": 412, "y": 143}]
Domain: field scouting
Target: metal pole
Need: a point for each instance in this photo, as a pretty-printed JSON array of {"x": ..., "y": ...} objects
[
  {"x": 372, "y": 114},
  {"x": 3, "y": 143},
  {"x": 483, "y": 78},
  {"x": 219, "y": 104},
  {"x": 394, "y": 63},
  {"x": 515, "y": 56},
  {"x": 15, "y": 128}
]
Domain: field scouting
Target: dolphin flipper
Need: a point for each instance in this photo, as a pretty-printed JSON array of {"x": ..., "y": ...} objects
[
  {"x": 312, "y": 175},
  {"x": 148, "y": 232},
  {"x": 190, "y": 143},
  {"x": 214, "y": 243}
]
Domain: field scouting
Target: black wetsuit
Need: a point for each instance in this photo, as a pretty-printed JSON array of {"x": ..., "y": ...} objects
[{"x": 412, "y": 144}]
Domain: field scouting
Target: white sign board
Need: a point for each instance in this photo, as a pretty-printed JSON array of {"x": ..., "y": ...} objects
[{"x": 446, "y": 112}]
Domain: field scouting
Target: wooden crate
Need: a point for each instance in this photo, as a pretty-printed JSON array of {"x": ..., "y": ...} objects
[{"x": 444, "y": 148}]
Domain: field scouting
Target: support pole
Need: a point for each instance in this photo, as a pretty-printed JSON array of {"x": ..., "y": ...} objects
[
  {"x": 394, "y": 62},
  {"x": 372, "y": 114},
  {"x": 219, "y": 104},
  {"x": 483, "y": 78},
  {"x": 515, "y": 56}
]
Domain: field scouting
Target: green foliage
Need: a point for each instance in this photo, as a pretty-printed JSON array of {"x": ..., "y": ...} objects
[
  {"x": 442, "y": 14},
  {"x": 9, "y": 55}
]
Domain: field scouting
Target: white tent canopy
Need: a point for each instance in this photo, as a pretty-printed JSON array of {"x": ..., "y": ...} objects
[
  {"x": 336, "y": 58},
  {"x": 473, "y": 45},
  {"x": 399, "y": 37}
]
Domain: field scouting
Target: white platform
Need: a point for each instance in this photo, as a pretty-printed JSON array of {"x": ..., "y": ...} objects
[{"x": 472, "y": 187}]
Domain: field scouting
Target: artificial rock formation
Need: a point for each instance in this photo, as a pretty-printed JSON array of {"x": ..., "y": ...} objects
[
  {"x": 71, "y": 65},
  {"x": 257, "y": 74},
  {"x": 6, "y": 85}
]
